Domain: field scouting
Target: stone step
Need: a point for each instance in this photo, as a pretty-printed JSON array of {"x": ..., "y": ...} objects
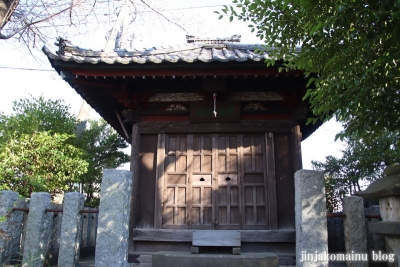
[{"x": 183, "y": 259}]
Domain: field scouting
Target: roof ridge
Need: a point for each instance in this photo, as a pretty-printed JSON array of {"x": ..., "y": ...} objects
[
  {"x": 190, "y": 52},
  {"x": 234, "y": 38}
]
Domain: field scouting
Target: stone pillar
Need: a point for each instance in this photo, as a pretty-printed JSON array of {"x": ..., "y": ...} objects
[
  {"x": 38, "y": 228},
  {"x": 55, "y": 239},
  {"x": 355, "y": 238},
  {"x": 10, "y": 224},
  {"x": 71, "y": 230},
  {"x": 113, "y": 225},
  {"x": 310, "y": 214}
]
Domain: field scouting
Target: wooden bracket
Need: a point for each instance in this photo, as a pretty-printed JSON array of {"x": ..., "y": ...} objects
[{"x": 122, "y": 125}]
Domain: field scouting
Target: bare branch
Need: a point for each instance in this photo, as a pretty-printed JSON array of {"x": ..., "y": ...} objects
[
  {"x": 176, "y": 24},
  {"x": 28, "y": 24},
  {"x": 23, "y": 16},
  {"x": 11, "y": 8}
]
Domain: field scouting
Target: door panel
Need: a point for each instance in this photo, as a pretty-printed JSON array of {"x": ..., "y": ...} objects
[
  {"x": 228, "y": 200},
  {"x": 176, "y": 180},
  {"x": 201, "y": 183},
  {"x": 215, "y": 182},
  {"x": 254, "y": 185}
]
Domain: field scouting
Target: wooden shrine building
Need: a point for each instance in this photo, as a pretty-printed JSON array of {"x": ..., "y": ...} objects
[{"x": 193, "y": 170}]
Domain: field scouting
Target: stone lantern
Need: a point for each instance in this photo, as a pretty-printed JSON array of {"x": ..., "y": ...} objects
[{"x": 387, "y": 190}]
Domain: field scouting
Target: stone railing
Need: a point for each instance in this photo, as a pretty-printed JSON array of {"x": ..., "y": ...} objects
[
  {"x": 62, "y": 233},
  {"x": 336, "y": 242},
  {"x": 311, "y": 224},
  {"x": 24, "y": 222}
]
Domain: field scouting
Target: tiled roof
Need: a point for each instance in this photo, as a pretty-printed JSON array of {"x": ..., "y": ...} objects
[{"x": 191, "y": 52}]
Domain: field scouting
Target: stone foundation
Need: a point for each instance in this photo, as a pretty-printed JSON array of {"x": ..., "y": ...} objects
[{"x": 184, "y": 259}]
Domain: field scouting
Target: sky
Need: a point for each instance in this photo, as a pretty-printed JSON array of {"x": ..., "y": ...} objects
[{"x": 23, "y": 73}]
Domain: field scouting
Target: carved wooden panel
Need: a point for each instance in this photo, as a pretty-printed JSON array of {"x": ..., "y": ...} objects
[
  {"x": 258, "y": 96},
  {"x": 204, "y": 111}
]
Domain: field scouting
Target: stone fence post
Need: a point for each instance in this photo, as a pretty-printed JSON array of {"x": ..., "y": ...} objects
[
  {"x": 310, "y": 214},
  {"x": 113, "y": 225},
  {"x": 10, "y": 224},
  {"x": 71, "y": 230},
  {"x": 38, "y": 230},
  {"x": 355, "y": 236}
]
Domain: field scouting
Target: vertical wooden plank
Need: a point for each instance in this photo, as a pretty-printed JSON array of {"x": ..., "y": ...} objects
[
  {"x": 147, "y": 181},
  {"x": 254, "y": 204},
  {"x": 296, "y": 144},
  {"x": 134, "y": 168},
  {"x": 214, "y": 169},
  {"x": 159, "y": 181},
  {"x": 241, "y": 180},
  {"x": 284, "y": 180},
  {"x": 253, "y": 155},
  {"x": 271, "y": 182},
  {"x": 228, "y": 205},
  {"x": 176, "y": 204},
  {"x": 189, "y": 181},
  {"x": 228, "y": 188},
  {"x": 202, "y": 204}
]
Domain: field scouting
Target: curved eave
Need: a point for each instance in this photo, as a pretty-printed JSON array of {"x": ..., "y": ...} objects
[{"x": 106, "y": 106}]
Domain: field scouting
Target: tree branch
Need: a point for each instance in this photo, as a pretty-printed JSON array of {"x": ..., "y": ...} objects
[
  {"x": 10, "y": 10},
  {"x": 176, "y": 24},
  {"x": 28, "y": 24}
]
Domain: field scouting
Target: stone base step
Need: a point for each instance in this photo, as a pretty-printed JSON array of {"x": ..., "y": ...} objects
[
  {"x": 140, "y": 265},
  {"x": 184, "y": 259}
]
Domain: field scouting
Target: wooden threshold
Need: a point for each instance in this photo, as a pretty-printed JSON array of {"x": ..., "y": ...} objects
[{"x": 172, "y": 235}]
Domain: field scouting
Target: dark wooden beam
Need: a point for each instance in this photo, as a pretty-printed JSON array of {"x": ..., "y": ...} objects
[
  {"x": 94, "y": 83},
  {"x": 154, "y": 127},
  {"x": 175, "y": 73}
]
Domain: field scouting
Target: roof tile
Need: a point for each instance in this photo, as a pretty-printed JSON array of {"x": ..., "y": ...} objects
[{"x": 191, "y": 52}]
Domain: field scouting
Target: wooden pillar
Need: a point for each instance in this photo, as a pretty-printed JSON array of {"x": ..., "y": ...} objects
[
  {"x": 159, "y": 181},
  {"x": 271, "y": 181},
  {"x": 134, "y": 168},
  {"x": 296, "y": 146}
]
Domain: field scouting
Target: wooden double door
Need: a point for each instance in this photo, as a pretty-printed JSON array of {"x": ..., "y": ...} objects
[{"x": 224, "y": 181}]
